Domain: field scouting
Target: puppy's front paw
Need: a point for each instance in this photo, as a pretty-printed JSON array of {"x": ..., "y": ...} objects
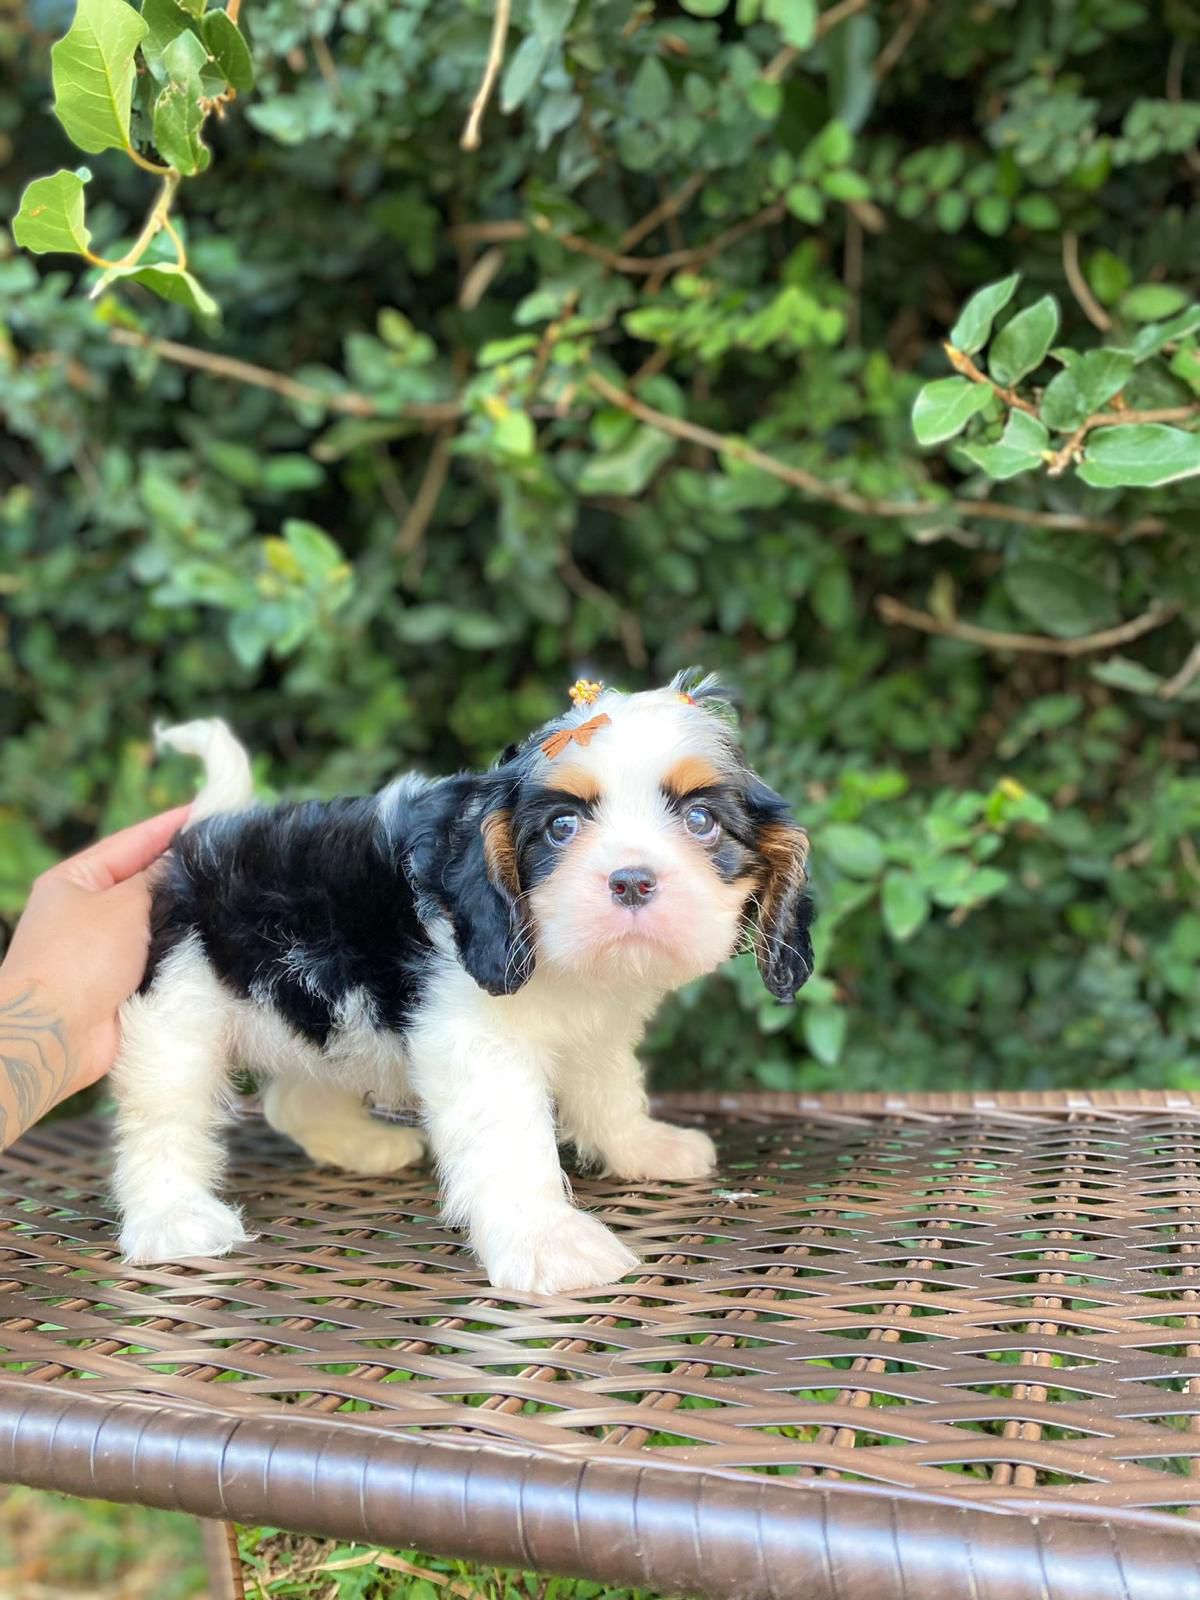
[
  {"x": 199, "y": 1226},
  {"x": 569, "y": 1250},
  {"x": 660, "y": 1150}
]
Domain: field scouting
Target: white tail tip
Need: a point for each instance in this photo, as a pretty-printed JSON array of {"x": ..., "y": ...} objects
[{"x": 228, "y": 784}]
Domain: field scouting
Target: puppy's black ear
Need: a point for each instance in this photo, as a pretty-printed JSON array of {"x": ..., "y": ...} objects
[
  {"x": 482, "y": 894},
  {"x": 781, "y": 931}
]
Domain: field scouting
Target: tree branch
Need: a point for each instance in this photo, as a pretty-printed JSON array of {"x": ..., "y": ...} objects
[
  {"x": 1069, "y": 452},
  {"x": 349, "y": 403},
  {"x": 670, "y": 207},
  {"x": 1088, "y": 304},
  {"x": 619, "y": 261},
  {"x": 891, "y": 610},
  {"x": 809, "y": 483},
  {"x": 1188, "y": 672},
  {"x": 628, "y": 626},
  {"x": 963, "y": 363},
  {"x": 779, "y": 66},
  {"x": 491, "y": 71},
  {"x": 411, "y": 534},
  {"x": 899, "y": 42}
]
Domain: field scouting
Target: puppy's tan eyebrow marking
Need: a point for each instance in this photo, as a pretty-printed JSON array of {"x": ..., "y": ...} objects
[
  {"x": 576, "y": 781},
  {"x": 690, "y": 773}
]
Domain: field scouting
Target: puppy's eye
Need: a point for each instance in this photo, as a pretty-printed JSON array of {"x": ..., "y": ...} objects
[
  {"x": 701, "y": 824},
  {"x": 563, "y": 829}
]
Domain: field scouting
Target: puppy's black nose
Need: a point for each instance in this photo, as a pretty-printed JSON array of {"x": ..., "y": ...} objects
[{"x": 632, "y": 886}]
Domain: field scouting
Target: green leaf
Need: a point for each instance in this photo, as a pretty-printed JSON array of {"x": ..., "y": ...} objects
[
  {"x": 250, "y": 635},
  {"x": 1140, "y": 455},
  {"x": 1151, "y": 301},
  {"x": 945, "y": 406},
  {"x": 229, "y": 50},
  {"x": 969, "y": 885},
  {"x": 1185, "y": 365},
  {"x": 1021, "y": 345},
  {"x": 992, "y": 214},
  {"x": 843, "y": 184},
  {"x": 552, "y": 18},
  {"x": 825, "y": 1032},
  {"x": 514, "y": 434},
  {"x": 833, "y": 596},
  {"x": 795, "y": 19},
  {"x": 629, "y": 469},
  {"x": 522, "y": 71},
  {"x": 650, "y": 91},
  {"x": 93, "y": 71},
  {"x": 704, "y": 8},
  {"x": 165, "y": 20},
  {"x": 1121, "y": 672},
  {"x": 171, "y": 283},
  {"x": 970, "y": 333},
  {"x": 1061, "y": 600},
  {"x": 851, "y": 51},
  {"x": 905, "y": 905},
  {"x": 51, "y": 218},
  {"x": 1084, "y": 387},
  {"x": 319, "y": 559},
  {"x": 1018, "y": 450},
  {"x": 765, "y": 99},
  {"x": 1150, "y": 340},
  {"x": 853, "y": 848},
  {"x": 804, "y": 201},
  {"x": 178, "y": 114},
  {"x": 1108, "y": 276}
]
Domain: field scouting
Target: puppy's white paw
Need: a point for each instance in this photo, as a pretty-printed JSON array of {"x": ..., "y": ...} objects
[
  {"x": 201, "y": 1225},
  {"x": 569, "y": 1250},
  {"x": 661, "y": 1151},
  {"x": 370, "y": 1147}
]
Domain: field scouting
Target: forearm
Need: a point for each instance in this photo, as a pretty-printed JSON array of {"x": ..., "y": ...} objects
[{"x": 36, "y": 1069}]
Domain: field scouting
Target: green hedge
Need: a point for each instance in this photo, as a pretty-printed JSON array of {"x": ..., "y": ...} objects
[{"x": 631, "y": 386}]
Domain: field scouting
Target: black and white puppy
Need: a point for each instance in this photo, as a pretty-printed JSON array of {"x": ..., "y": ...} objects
[{"x": 488, "y": 947}]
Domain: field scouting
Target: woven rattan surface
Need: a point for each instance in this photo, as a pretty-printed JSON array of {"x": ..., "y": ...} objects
[{"x": 939, "y": 1324}]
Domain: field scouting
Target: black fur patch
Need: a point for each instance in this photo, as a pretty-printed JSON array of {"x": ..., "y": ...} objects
[{"x": 302, "y": 902}]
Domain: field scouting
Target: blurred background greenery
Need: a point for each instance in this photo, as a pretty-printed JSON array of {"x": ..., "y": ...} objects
[{"x": 396, "y": 536}]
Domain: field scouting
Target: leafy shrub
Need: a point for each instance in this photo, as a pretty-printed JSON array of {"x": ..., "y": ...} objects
[{"x": 383, "y": 439}]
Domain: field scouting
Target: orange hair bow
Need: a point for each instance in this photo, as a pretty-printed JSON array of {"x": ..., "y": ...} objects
[{"x": 581, "y": 735}]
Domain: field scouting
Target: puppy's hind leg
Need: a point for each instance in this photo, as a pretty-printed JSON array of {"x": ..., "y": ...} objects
[
  {"x": 334, "y": 1127},
  {"x": 169, "y": 1081}
]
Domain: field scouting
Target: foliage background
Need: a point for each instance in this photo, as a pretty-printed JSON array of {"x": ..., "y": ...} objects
[{"x": 401, "y": 553}]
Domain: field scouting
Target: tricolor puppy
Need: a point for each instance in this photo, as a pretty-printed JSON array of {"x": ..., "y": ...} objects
[{"x": 488, "y": 947}]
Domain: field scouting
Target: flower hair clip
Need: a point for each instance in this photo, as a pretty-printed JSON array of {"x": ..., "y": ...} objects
[{"x": 585, "y": 692}]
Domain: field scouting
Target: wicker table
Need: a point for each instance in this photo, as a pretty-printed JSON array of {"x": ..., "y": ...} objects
[{"x": 900, "y": 1347}]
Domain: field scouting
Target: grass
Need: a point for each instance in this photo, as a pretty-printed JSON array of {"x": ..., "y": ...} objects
[
  {"x": 56, "y": 1548},
  {"x": 53, "y": 1547}
]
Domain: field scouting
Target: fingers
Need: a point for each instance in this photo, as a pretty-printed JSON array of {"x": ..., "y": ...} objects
[{"x": 118, "y": 857}]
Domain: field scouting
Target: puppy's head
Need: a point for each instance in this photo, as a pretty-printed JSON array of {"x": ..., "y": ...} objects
[{"x": 628, "y": 841}]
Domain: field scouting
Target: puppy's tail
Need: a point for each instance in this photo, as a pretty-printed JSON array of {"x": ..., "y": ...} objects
[{"x": 228, "y": 785}]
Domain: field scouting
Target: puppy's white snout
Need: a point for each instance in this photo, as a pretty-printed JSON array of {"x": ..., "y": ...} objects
[{"x": 632, "y": 886}]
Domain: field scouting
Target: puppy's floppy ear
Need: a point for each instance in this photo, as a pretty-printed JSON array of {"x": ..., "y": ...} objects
[
  {"x": 782, "y": 938},
  {"x": 465, "y": 861}
]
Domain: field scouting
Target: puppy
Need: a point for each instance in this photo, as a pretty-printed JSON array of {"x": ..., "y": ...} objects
[{"x": 489, "y": 947}]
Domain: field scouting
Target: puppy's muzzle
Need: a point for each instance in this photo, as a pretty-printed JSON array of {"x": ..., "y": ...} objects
[{"x": 632, "y": 886}]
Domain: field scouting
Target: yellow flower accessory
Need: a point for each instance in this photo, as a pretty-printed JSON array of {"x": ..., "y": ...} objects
[{"x": 584, "y": 692}]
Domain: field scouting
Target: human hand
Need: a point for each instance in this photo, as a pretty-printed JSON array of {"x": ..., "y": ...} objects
[{"x": 79, "y": 951}]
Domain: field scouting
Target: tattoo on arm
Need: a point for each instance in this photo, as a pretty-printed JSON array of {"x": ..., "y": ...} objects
[{"x": 35, "y": 1063}]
